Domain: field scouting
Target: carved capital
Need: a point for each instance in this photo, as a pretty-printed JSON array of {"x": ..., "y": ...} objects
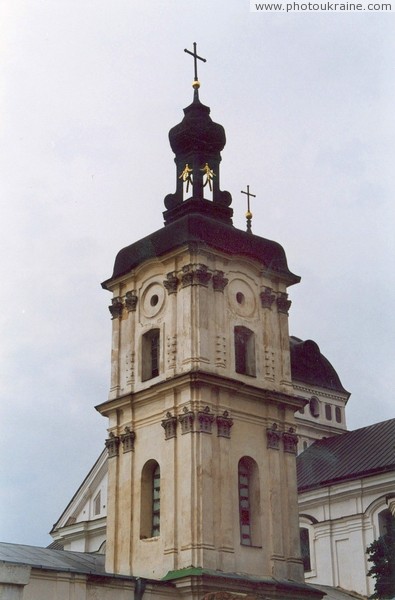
[
  {"x": 170, "y": 426},
  {"x": 224, "y": 423},
  {"x": 127, "y": 440},
  {"x": 195, "y": 275},
  {"x": 290, "y": 441},
  {"x": 205, "y": 420},
  {"x": 267, "y": 297},
  {"x": 273, "y": 437},
  {"x": 171, "y": 283},
  {"x": 112, "y": 445},
  {"x": 219, "y": 281},
  {"x": 131, "y": 299},
  {"x": 116, "y": 307},
  {"x": 283, "y": 304},
  {"x": 186, "y": 421}
]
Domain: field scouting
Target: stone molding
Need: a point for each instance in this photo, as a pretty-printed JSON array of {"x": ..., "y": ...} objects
[
  {"x": 229, "y": 596},
  {"x": 224, "y": 423},
  {"x": 116, "y": 307},
  {"x": 112, "y": 445},
  {"x": 186, "y": 421},
  {"x": 283, "y": 304},
  {"x": 131, "y": 300},
  {"x": 195, "y": 275},
  {"x": 127, "y": 440},
  {"x": 273, "y": 437},
  {"x": 171, "y": 283},
  {"x": 170, "y": 426},
  {"x": 267, "y": 297},
  {"x": 290, "y": 441},
  {"x": 219, "y": 281},
  {"x": 205, "y": 419}
]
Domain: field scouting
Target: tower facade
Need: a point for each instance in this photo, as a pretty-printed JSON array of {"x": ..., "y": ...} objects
[{"x": 201, "y": 444}]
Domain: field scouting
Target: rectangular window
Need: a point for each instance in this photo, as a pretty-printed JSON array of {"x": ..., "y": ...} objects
[
  {"x": 150, "y": 354},
  {"x": 156, "y": 502},
  {"x": 244, "y": 505},
  {"x": 97, "y": 504},
  {"x": 305, "y": 548},
  {"x": 244, "y": 351}
]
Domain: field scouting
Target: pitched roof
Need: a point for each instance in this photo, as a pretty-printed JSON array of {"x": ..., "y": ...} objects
[
  {"x": 366, "y": 451},
  {"x": 49, "y": 559}
]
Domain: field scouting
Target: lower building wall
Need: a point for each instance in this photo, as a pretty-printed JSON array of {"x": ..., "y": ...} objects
[
  {"x": 48, "y": 585},
  {"x": 342, "y": 521}
]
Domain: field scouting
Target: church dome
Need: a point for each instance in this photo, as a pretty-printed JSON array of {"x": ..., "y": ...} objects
[{"x": 309, "y": 366}]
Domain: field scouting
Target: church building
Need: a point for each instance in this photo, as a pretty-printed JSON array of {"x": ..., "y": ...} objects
[{"x": 195, "y": 496}]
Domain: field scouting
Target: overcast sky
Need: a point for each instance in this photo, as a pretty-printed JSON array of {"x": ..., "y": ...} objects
[{"x": 89, "y": 90}]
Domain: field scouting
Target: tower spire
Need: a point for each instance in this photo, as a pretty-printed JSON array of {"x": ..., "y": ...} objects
[{"x": 197, "y": 143}]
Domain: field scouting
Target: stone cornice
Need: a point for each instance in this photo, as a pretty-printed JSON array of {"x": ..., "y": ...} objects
[
  {"x": 321, "y": 392},
  {"x": 202, "y": 378}
]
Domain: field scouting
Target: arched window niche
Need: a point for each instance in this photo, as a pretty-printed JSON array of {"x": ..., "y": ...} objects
[
  {"x": 150, "y": 354},
  {"x": 249, "y": 502},
  {"x": 245, "y": 362},
  {"x": 307, "y": 537},
  {"x": 150, "y": 500}
]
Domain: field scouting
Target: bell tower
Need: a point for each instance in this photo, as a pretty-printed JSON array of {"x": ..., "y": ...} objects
[{"x": 202, "y": 478}]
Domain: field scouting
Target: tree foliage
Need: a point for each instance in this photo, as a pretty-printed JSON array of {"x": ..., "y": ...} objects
[{"x": 382, "y": 556}]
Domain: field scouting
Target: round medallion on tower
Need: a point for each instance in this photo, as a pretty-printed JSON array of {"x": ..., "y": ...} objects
[{"x": 153, "y": 298}]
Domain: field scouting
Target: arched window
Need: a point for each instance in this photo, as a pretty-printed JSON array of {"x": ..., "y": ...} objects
[
  {"x": 338, "y": 414},
  {"x": 150, "y": 500},
  {"x": 244, "y": 351},
  {"x": 386, "y": 522},
  {"x": 314, "y": 406},
  {"x": 328, "y": 412},
  {"x": 249, "y": 502},
  {"x": 150, "y": 354},
  {"x": 305, "y": 548}
]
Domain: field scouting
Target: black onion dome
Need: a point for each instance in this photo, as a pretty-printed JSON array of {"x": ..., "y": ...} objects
[
  {"x": 197, "y": 132},
  {"x": 309, "y": 366}
]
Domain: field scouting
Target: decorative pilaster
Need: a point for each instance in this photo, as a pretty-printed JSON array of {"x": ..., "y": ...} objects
[
  {"x": 131, "y": 299},
  {"x": 290, "y": 441},
  {"x": 186, "y": 421},
  {"x": 112, "y": 445},
  {"x": 171, "y": 351},
  {"x": 170, "y": 426},
  {"x": 267, "y": 297},
  {"x": 116, "y": 307},
  {"x": 219, "y": 281},
  {"x": 171, "y": 283},
  {"x": 205, "y": 420},
  {"x": 283, "y": 304},
  {"x": 127, "y": 440},
  {"x": 273, "y": 437},
  {"x": 224, "y": 424}
]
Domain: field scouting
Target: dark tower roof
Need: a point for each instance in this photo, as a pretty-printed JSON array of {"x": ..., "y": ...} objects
[
  {"x": 199, "y": 212},
  {"x": 308, "y": 365}
]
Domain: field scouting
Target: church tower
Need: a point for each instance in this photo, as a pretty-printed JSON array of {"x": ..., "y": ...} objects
[{"x": 202, "y": 479}]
